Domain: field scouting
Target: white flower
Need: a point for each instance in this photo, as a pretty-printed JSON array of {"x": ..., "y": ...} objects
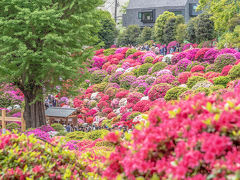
[{"x": 145, "y": 98}]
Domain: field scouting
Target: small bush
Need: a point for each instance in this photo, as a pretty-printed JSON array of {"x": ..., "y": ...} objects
[
  {"x": 158, "y": 91},
  {"x": 108, "y": 52},
  {"x": 234, "y": 73},
  {"x": 190, "y": 66},
  {"x": 61, "y": 133},
  {"x": 210, "y": 68},
  {"x": 144, "y": 69},
  {"x": 13, "y": 126},
  {"x": 224, "y": 60},
  {"x": 98, "y": 76},
  {"x": 105, "y": 144},
  {"x": 193, "y": 80},
  {"x": 158, "y": 66},
  {"x": 222, "y": 80},
  {"x": 174, "y": 93},
  {"x": 58, "y": 127},
  {"x": 77, "y": 135},
  {"x": 207, "y": 91},
  {"x": 130, "y": 51},
  {"x": 216, "y": 88},
  {"x": 93, "y": 135},
  {"x": 149, "y": 59}
]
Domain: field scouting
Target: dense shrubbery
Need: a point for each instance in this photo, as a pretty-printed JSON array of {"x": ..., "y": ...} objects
[{"x": 174, "y": 93}]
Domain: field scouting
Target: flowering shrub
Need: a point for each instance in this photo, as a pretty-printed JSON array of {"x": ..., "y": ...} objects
[
  {"x": 183, "y": 77},
  {"x": 142, "y": 106},
  {"x": 190, "y": 66},
  {"x": 110, "y": 51},
  {"x": 202, "y": 149},
  {"x": 200, "y": 54},
  {"x": 158, "y": 91},
  {"x": 191, "y": 53},
  {"x": 224, "y": 60},
  {"x": 166, "y": 78},
  {"x": 177, "y": 57},
  {"x": 193, "y": 80},
  {"x": 222, "y": 80},
  {"x": 204, "y": 90},
  {"x": 202, "y": 84},
  {"x": 226, "y": 70},
  {"x": 234, "y": 73},
  {"x": 182, "y": 65},
  {"x": 134, "y": 97},
  {"x": 174, "y": 93},
  {"x": 122, "y": 94},
  {"x": 198, "y": 68},
  {"x": 211, "y": 55},
  {"x": 115, "y": 77}
]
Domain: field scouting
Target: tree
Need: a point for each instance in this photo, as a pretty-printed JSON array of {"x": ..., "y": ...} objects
[
  {"x": 41, "y": 46},
  {"x": 181, "y": 33},
  {"x": 160, "y": 24},
  {"x": 145, "y": 35},
  {"x": 132, "y": 33},
  {"x": 205, "y": 28},
  {"x": 222, "y": 12},
  {"x": 170, "y": 28},
  {"x": 191, "y": 32},
  {"x": 108, "y": 30}
]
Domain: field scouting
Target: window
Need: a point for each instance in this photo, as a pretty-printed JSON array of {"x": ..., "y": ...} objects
[
  {"x": 146, "y": 16},
  {"x": 192, "y": 9}
]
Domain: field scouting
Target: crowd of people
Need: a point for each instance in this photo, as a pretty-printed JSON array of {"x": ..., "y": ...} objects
[{"x": 158, "y": 49}]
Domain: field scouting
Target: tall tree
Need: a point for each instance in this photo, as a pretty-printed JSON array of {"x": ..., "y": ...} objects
[
  {"x": 191, "y": 30},
  {"x": 37, "y": 42},
  {"x": 160, "y": 24},
  {"x": 132, "y": 34},
  {"x": 108, "y": 30},
  {"x": 222, "y": 12},
  {"x": 204, "y": 28},
  {"x": 145, "y": 35}
]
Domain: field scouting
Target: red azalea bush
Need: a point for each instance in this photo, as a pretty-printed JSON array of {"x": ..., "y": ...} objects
[
  {"x": 183, "y": 77},
  {"x": 134, "y": 97},
  {"x": 111, "y": 115},
  {"x": 194, "y": 139},
  {"x": 102, "y": 104},
  {"x": 158, "y": 91},
  {"x": 225, "y": 70},
  {"x": 198, "y": 68},
  {"x": 200, "y": 54},
  {"x": 142, "y": 106},
  {"x": 107, "y": 110},
  {"x": 122, "y": 94}
]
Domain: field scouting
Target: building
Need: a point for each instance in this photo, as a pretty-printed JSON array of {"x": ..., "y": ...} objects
[
  {"x": 110, "y": 6},
  {"x": 145, "y": 12}
]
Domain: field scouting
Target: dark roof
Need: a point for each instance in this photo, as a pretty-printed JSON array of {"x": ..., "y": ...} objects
[
  {"x": 59, "y": 112},
  {"x": 135, "y": 4}
]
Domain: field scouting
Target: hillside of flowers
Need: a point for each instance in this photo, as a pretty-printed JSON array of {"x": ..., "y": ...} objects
[{"x": 182, "y": 110}]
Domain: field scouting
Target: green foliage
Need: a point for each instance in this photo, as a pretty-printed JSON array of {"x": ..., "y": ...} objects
[
  {"x": 58, "y": 127},
  {"x": 234, "y": 73},
  {"x": 108, "y": 30},
  {"x": 7, "y": 100},
  {"x": 130, "y": 51},
  {"x": 191, "y": 31},
  {"x": 222, "y": 80},
  {"x": 144, "y": 69},
  {"x": 42, "y": 44},
  {"x": 205, "y": 28},
  {"x": 100, "y": 87},
  {"x": 216, "y": 88},
  {"x": 222, "y": 12},
  {"x": 205, "y": 90},
  {"x": 174, "y": 93},
  {"x": 93, "y": 135},
  {"x": 39, "y": 159},
  {"x": 210, "y": 67},
  {"x": 109, "y": 51},
  {"x": 193, "y": 80},
  {"x": 98, "y": 76},
  {"x": 223, "y": 60},
  {"x": 133, "y": 115},
  {"x": 170, "y": 28},
  {"x": 158, "y": 66},
  {"x": 160, "y": 24},
  {"x": 132, "y": 33},
  {"x": 149, "y": 59},
  {"x": 13, "y": 126},
  {"x": 105, "y": 143},
  {"x": 181, "y": 33},
  {"x": 61, "y": 133},
  {"x": 76, "y": 135},
  {"x": 230, "y": 39},
  {"x": 145, "y": 35}
]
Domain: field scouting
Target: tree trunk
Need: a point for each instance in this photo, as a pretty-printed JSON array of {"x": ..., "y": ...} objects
[{"x": 34, "y": 113}]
